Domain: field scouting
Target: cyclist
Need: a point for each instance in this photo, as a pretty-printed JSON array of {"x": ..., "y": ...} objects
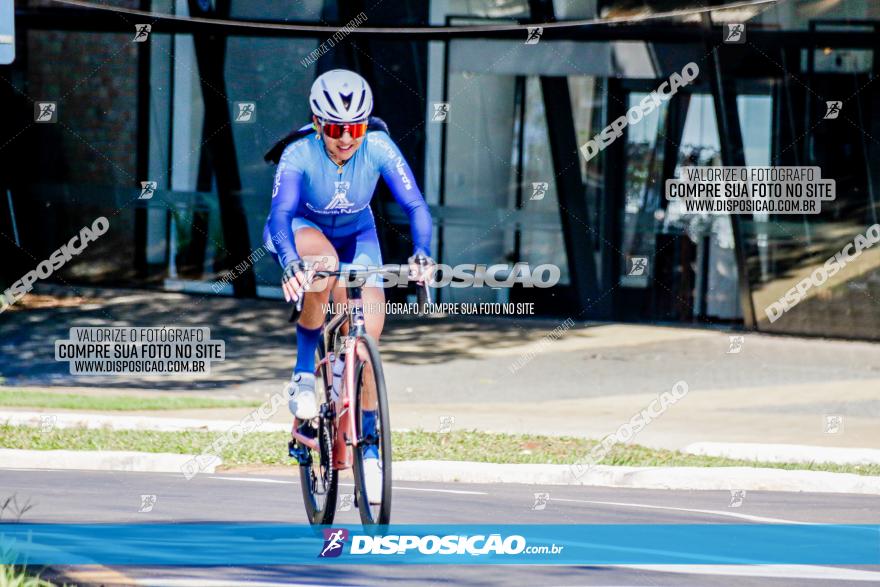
[{"x": 321, "y": 219}]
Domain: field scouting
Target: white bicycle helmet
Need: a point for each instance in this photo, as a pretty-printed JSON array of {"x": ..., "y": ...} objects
[{"x": 341, "y": 96}]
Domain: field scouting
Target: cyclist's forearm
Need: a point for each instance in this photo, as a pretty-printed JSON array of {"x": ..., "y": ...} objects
[
  {"x": 279, "y": 223},
  {"x": 285, "y": 201},
  {"x": 420, "y": 225}
]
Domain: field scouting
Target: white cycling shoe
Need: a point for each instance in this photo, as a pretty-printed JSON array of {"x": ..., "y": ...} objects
[
  {"x": 373, "y": 480},
  {"x": 303, "y": 404}
]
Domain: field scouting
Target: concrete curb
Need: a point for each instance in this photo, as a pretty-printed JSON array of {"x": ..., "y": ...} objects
[
  {"x": 105, "y": 460},
  {"x": 679, "y": 478},
  {"x": 785, "y": 453},
  {"x": 682, "y": 478},
  {"x": 113, "y": 422}
]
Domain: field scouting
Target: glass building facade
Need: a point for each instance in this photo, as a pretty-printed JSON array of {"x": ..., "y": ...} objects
[{"x": 502, "y": 173}]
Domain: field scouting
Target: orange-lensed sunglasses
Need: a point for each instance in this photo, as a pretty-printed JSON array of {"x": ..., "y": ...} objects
[{"x": 336, "y": 130}]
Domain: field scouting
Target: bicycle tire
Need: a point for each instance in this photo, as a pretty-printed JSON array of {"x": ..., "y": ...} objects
[
  {"x": 382, "y": 515},
  {"x": 320, "y": 512}
]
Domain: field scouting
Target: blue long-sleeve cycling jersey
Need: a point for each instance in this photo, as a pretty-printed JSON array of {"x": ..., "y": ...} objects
[{"x": 309, "y": 185}]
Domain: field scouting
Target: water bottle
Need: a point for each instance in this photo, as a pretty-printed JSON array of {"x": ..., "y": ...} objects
[{"x": 338, "y": 366}]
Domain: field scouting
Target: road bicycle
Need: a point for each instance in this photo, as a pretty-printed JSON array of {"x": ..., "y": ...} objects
[{"x": 333, "y": 441}]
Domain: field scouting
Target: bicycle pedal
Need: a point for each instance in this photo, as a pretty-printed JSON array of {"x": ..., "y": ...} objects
[{"x": 299, "y": 453}]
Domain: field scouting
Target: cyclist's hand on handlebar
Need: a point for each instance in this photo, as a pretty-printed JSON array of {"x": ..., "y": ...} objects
[
  {"x": 421, "y": 267},
  {"x": 295, "y": 280}
]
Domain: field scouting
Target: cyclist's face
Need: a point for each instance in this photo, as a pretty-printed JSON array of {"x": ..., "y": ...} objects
[{"x": 343, "y": 148}]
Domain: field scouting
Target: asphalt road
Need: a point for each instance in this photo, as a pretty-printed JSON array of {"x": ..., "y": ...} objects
[
  {"x": 80, "y": 496},
  {"x": 439, "y": 358}
]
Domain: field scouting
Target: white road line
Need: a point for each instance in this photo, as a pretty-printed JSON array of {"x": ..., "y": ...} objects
[
  {"x": 214, "y": 583},
  {"x": 159, "y": 582},
  {"x": 255, "y": 480},
  {"x": 20, "y": 470},
  {"x": 457, "y": 491},
  {"x": 765, "y": 571},
  {"x": 696, "y": 511},
  {"x": 770, "y": 571},
  {"x": 396, "y": 488}
]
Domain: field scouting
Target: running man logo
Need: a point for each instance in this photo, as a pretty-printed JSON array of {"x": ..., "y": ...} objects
[
  {"x": 541, "y": 500},
  {"x": 639, "y": 265},
  {"x": 539, "y": 190},
  {"x": 141, "y": 32},
  {"x": 736, "y": 33},
  {"x": 245, "y": 112},
  {"x": 334, "y": 541},
  {"x": 737, "y": 497},
  {"x": 534, "y": 35},
  {"x": 147, "y": 503},
  {"x": 47, "y": 423},
  {"x": 833, "y": 423},
  {"x": 148, "y": 188},
  {"x": 45, "y": 112},
  {"x": 446, "y": 424},
  {"x": 340, "y": 201},
  {"x": 441, "y": 111},
  {"x": 833, "y": 109},
  {"x": 345, "y": 502},
  {"x": 736, "y": 345}
]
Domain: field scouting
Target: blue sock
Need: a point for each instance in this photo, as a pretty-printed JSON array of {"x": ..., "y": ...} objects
[
  {"x": 371, "y": 451},
  {"x": 306, "y": 343}
]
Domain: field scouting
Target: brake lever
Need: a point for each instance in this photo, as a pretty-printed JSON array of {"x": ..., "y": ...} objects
[
  {"x": 295, "y": 312},
  {"x": 297, "y": 307}
]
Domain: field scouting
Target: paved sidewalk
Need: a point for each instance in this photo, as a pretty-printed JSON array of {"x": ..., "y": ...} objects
[{"x": 587, "y": 383}]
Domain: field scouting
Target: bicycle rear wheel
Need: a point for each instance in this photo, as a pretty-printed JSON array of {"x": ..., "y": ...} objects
[
  {"x": 380, "y": 438},
  {"x": 318, "y": 479}
]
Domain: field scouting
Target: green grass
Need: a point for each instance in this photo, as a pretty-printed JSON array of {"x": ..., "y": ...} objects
[
  {"x": 270, "y": 448},
  {"x": 71, "y": 401},
  {"x": 17, "y": 576}
]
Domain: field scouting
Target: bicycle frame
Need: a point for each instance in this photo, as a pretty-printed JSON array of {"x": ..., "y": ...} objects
[{"x": 346, "y": 434}]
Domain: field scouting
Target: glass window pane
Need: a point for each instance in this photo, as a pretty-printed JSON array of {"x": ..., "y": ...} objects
[{"x": 643, "y": 165}]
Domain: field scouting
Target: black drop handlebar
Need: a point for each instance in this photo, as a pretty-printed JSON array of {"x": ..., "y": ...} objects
[{"x": 423, "y": 293}]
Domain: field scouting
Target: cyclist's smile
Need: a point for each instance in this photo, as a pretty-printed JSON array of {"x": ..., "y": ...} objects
[{"x": 342, "y": 149}]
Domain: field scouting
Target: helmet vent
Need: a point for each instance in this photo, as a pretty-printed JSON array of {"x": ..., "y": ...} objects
[{"x": 330, "y": 102}]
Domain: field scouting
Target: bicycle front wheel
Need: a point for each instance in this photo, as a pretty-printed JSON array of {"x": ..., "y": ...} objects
[
  {"x": 318, "y": 478},
  {"x": 372, "y": 457}
]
